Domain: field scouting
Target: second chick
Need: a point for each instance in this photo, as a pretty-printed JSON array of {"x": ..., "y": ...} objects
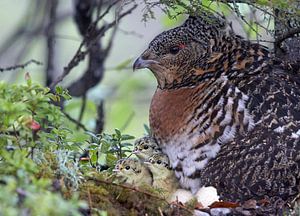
[{"x": 133, "y": 172}]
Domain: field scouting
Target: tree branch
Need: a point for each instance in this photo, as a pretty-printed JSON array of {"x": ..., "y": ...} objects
[
  {"x": 50, "y": 35},
  {"x": 79, "y": 124},
  {"x": 100, "y": 118},
  {"x": 286, "y": 35},
  {"x": 83, "y": 105},
  {"x": 21, "y": 66},
  {"x": 80, "y": 55}
]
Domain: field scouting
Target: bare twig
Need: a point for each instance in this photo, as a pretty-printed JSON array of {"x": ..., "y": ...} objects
[
  {"x": 83, "y": 105},
  {"x": 83, "y": 17},
  {"x": 286, "y": 35},
  {"x": 127, "y": 122},
  {"x": 160, "y": 212},
  {"x": 127, "y": 187},
  {"x": 50, "y": 35},
  {"x": 79, "y": 124},
  {"x": 133, "y": 33},
  {"x": 89, "y": 199},
  {"x": 100, "y": 118},
  {"x": 80, "y": 55},
  {"x": 22, "y": 66},
  {"x": 235, "y": 9}
]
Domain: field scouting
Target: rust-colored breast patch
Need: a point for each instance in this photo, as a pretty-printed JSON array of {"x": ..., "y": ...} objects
[{"x": 170, "y": 110}]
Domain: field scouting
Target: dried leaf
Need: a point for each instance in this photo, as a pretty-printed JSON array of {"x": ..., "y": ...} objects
[
  {"x": 224, "y": 204},
  {"x": 199, "y": 205}
]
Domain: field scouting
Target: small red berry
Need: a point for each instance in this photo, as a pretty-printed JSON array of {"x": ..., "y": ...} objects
[{"x": 35, "y": 126}]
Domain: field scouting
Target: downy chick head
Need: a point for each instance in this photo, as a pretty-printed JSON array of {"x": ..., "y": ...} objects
[
  {"x": 145, "y": 147},
  {"x": 133, "y": 171},
  {"x": 159, "y": 165}
]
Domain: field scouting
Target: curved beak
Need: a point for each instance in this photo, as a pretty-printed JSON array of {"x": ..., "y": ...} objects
[{"x": 143, "y": 63}]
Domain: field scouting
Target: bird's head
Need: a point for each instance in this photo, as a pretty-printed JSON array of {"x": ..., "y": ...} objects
[
  {"x": 145, "y": 147},
  {"x": 158, "y": 163},
  {"x": 175, "y": 56},
  {"x": 127, "y": 167}
]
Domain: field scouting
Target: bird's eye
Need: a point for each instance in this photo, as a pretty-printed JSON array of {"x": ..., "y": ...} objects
[
  {"x": 146, "y": 147},
  {"x": 174, "y": 50},
  {"x": 158, "y": 162},
  {"x": 127, "y": 167}
]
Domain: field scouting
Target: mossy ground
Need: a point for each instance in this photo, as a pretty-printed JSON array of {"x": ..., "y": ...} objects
[{"x": 120, "y": 199}]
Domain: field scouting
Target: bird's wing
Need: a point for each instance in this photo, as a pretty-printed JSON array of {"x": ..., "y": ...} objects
[{"x": 266, "y": 160}]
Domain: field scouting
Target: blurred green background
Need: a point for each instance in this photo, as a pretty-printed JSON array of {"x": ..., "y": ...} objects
[{"x": 127, "y": 94}]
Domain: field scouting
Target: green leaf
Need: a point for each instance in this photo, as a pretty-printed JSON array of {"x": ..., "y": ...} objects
[
  {"x": 126, "y": 137},
  {"x": 58, "y": 89},
  {"x": 147, "y": 129},
  {"x": 118, "y": 133}
]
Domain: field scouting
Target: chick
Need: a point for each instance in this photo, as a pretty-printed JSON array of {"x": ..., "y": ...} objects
[
  {"x": 133, "y": 172},
  {"x": 145, "y": 147},
  {"x": 163, "y": 176}
]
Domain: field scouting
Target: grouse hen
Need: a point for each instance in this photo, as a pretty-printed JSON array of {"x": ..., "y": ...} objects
[{"x": 224, "y": 111}]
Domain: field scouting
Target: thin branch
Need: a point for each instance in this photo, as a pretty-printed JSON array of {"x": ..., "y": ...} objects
[
  {"x": 100, "y": 118},
  {"x": 286, "y": 35},
  {"x": 236, "y": 10},
  {"x": 80, "y": 55},
  {"x": 90, "y": 200},
  {"x": 127, "y": 122},
  {"x": 79, "y": 124},
  {"x": 133, "y": 33},
  {"x": 105, "y": 12},
  {"x": 21, "y": 66},
  {"x": 50, "y": 32},
  {"x": 83, "y": 105},
  {"x": 127, "y": 187},
  {"x": 96, "y": 54}
]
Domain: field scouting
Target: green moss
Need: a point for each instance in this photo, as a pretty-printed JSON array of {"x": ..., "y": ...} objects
[{"x": 120, "y": 200}]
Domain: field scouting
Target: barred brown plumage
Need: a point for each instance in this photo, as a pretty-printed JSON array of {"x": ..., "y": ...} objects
[{"x": 224, "y": 112}]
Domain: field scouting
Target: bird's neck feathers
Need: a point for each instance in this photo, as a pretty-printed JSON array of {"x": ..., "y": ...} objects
[
  {"x": 233, "y": 57},
  {"x": 225, "y": 54},
  {"x": 229, "y": 56}
]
